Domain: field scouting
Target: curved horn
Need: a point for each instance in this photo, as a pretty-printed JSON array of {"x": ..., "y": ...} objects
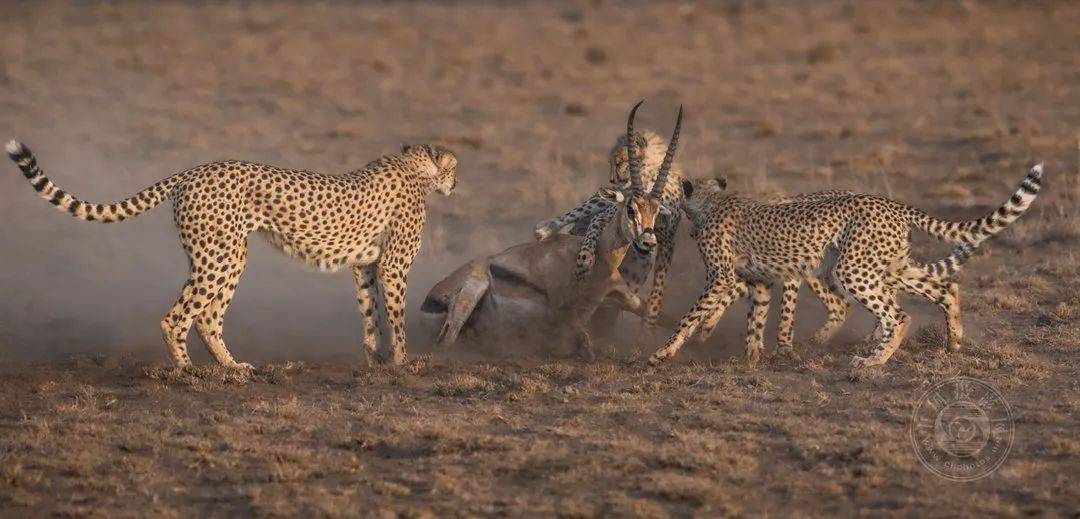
[
  {"x": 669, "y": 157},
  {"x": 631, "y": 147}
]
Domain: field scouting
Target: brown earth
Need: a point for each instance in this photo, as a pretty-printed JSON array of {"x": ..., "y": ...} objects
[{"x": 943, "y": 105}]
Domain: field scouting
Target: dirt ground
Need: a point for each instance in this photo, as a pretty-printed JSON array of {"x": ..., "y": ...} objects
[{"x": 940, "y": 104}]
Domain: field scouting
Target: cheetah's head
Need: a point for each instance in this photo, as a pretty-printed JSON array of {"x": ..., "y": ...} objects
[
  {"x": 439, "y": 165},
  {"x": 619, "y": 158},
  {"x": 697, "y": 194}
]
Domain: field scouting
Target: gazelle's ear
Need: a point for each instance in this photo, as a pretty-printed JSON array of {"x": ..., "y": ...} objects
[
  {"x": 664, "y": 211},
  {"x": 611, "y": 195},
  {"x": 405, "y": 148}
]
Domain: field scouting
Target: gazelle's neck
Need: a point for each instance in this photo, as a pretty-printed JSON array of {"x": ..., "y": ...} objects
[{"x": 611, "y": 246}]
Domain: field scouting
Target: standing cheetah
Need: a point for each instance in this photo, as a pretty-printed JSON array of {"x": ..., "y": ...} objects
[
  {"x": 740, "y": 238},
  {"x": 368, "y": 220}
]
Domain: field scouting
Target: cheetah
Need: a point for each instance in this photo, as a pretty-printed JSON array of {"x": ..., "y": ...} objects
[
  {"x": 368, "y": 220},
  {"x": 506, "y": 290},
  {"x": 823, "y": 288},
  {"x": 590, "y": 218},
  {"x": 740, "y": 238}
]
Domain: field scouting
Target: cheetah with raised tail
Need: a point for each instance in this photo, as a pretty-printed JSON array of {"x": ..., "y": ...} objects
[
  {"x": 743, "y": 239},
  {"x": 368, "y": 220}
]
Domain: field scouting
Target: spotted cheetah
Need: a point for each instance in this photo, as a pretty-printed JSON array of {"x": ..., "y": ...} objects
[
  {"x": 368, "y": 220},
  {"x": 590, "y": 218},
  {"x": 823, "y": 287},
  {"x": 740, "y": 238}
]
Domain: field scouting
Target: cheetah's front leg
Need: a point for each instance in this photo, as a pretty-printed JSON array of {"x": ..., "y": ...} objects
[
  {"x": 365, "y": 277},
  {"x": 705, "y": 304},
  {"x": 713, "y": 319},
  {"x": 589, "y": 207},
  {"x": 392, "y": 287}
]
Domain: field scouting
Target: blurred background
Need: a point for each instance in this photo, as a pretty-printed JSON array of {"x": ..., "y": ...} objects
[{"x": 940, "y": 104}]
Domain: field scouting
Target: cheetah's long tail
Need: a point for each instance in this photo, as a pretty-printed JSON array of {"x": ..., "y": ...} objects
[
  {"x": 115, "y": 212},
  {"x": 948, "y": 266},
  {"x": 978, "y": 230}
]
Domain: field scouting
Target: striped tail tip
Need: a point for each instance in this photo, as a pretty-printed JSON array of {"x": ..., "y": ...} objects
[
  {"x": 1036, "y": 171},
  {"x": 16, "y": 150}
]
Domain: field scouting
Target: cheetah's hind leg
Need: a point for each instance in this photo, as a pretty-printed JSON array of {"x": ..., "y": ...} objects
[
  {"x": 208, "y": 262},
  {"x": 945, "y": 293},
  {"x": 211, "y": 322},
  {"x": 755, "y": 321},
  {"x": 836, "y": 305}
]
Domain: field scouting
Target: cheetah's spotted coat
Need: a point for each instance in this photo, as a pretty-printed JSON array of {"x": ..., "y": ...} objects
[
  {"x": 369, "y": 220},
  {"x": 743, "y": 239}
]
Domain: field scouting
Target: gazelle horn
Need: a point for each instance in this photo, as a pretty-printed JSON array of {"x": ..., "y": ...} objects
[
  {"x": 632, "y": 152},
  {"x": 669, "y": 157}
]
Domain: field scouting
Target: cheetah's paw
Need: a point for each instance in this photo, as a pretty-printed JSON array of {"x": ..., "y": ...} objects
[
  {"x": 753, "y": 355},
  {"x": 545, "y": 230}
]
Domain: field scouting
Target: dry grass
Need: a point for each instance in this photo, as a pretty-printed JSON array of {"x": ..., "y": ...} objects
[{"x": 551, "y": 438}]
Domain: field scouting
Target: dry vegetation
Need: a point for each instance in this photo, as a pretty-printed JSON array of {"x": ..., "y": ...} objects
[{"x": 940, "y": 104}]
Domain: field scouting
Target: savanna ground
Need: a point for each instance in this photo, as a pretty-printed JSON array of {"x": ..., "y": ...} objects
[{"x": 943, "y": 105}]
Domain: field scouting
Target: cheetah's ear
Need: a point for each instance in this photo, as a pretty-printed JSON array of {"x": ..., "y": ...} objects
[
  {"x": 405, "y": 148},
  {"x": 446, "y": 160},
  {"x": 687, "y": 188},
  {"x": 722, "y": 182}
]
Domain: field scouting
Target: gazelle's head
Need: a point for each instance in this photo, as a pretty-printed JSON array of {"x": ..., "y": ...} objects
[
  {"x": 639, "y": 211},
  {"x": 637, "y": 217}
]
